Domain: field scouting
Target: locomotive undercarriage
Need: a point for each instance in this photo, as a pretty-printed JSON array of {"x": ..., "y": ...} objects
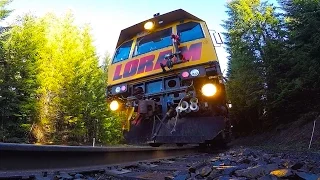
[{"x": 180, "y": 114}]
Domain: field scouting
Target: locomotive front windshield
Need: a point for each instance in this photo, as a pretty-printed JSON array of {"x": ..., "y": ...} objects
[
  {"x": 190, "y": 31},
  {"x": 154, "y": 41},
  {"x": 122, "y": 52},
  {"x": 158, "y": 40}
]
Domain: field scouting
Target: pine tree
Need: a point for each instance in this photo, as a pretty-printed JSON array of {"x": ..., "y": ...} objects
[
  {"x": 253, "y": 31},
  {"x": 299, "y": 87},
  {"x": 19, "y": 86},
  {"x": 56, "y": 87},
  {"x": 4, "y": 77}
]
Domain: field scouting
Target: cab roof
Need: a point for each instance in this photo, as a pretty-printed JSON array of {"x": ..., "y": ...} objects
[{"x": 168, "y": 18}]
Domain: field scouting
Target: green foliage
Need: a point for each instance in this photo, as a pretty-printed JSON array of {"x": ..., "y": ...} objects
[
  {"x": 255, "y": 40},
  {"x": 106, "y": 62},
  {"x": 112, "y": 128},
  {"x": 52, "y": 89},
  {"x": 251, "y": 27},
  {"x": 55, "y": 87},
  {"x": 298, "y": 88},
  {"x": 17, "y": 77},
  {"x": 273, "y": 64},
  {"x": 4, "y": 13}
]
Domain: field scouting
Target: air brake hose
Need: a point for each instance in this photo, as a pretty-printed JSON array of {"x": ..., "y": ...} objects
[{"x": 164, "y": 120}]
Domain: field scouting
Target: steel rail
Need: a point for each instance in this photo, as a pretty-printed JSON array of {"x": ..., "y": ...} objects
[{"x": 26, "y": 157}]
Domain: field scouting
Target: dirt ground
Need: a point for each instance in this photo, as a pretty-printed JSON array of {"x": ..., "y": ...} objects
[{"x": 292, "y": 137}]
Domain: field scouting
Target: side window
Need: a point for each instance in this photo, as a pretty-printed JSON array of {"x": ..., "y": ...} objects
[
  {"x": 122, "y": 52},
  {"x": 190, "y": 31},
  {"x": 154, "y": 41}
]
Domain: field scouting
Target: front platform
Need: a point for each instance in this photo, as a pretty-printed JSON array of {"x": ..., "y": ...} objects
[{"x": 187, "y": 130}]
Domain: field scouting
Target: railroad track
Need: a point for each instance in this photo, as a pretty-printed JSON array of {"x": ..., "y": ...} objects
[
  {"x": 168, "y": 163},
  {"x": 27, "y": 161}
]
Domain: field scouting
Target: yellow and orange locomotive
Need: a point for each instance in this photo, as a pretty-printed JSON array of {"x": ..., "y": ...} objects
[{"x": 166, "y": 76}]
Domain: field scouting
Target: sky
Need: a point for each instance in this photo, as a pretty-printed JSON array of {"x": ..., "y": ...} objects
[{"x": 108, "y": 17}]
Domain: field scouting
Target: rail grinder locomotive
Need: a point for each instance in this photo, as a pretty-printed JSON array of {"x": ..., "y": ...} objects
[{"x": 166, "y": 78}]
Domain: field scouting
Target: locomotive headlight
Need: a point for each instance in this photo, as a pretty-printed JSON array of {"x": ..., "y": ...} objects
[
  {"x": 114, "y": 105},
  {"x": 148, "y": 25},
  {"x": 209, "y": 89}
]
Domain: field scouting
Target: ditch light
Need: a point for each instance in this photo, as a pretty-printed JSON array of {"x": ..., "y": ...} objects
[
  {"x": 114, "y": 105},
  {"x": 209, "y": 89}
]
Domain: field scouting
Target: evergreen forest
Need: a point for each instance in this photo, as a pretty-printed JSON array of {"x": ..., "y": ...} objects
[
  {"x": 273, "y": 63},
  {"x": 52, "y": 87}
]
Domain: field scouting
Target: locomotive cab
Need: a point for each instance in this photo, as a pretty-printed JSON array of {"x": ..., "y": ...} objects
[{"x": 166, "y": 77}]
